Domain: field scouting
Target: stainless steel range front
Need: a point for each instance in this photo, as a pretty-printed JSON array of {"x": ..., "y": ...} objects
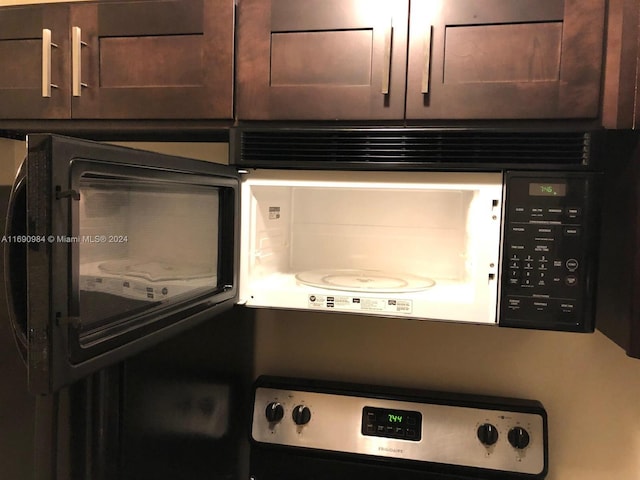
[{"x": 325, "y": 430}]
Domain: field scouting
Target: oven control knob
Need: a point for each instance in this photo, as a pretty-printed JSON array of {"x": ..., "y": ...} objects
[
  {"x": 518, "y": 438},
  {"x": 487, "y": 434},
  {"x": 274, "y": 412},
  {"x": 301, "y": 415}
]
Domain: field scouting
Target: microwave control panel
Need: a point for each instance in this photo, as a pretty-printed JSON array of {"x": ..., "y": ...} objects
[{"x": 549, "y": 251}]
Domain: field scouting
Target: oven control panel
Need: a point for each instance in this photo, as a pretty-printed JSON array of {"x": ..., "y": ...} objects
[
  {"x": 548, "y": 258},
  {"x": 491, "y": 436}
]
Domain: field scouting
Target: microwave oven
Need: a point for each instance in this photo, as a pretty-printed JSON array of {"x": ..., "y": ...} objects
[{"x": 109, "y": 250}]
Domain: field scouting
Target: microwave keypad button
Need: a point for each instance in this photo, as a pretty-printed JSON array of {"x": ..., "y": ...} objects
[
  {"x": 572, "y": 264},
  {"x": 571, "y": 280},
  {"x": 572, "y": 232},
  {"x": 514, "y": 303},
  {"x": 541, "y": 306},
  {"x": 573, "y": 212}
]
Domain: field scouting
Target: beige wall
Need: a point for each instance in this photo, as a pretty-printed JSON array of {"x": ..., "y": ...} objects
[
  {"x": 12, "y": 152},
  {"x": 589, "y": 387}
]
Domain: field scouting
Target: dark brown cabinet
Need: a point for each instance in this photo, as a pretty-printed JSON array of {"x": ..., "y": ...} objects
[
  {"x": 505, "y": 59},
  {"x": 34, "y": 78},
  {"x": 321, "y": 59},
  {"x": 621, "y": 85},
  {"x": 618, "y": 300},
  {"x": 159, "y": 59},
  {"x": 460, "y": 59}
]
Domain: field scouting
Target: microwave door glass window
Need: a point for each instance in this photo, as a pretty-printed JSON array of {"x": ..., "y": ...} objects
[{"x": 142, "y": 245}]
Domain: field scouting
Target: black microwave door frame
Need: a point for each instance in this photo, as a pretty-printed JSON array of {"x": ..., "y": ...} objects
[{"x": 55, "y": 354}]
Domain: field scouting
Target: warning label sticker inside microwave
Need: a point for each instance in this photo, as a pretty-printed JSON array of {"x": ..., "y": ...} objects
[
  {"x": 274, "y": 213},
  {"x": 360, "y": 304}
]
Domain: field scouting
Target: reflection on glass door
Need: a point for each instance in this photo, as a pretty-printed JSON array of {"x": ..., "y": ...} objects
[{"x": 143, "y": 244}]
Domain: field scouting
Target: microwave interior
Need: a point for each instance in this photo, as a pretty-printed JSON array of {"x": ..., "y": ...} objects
[
  {"x": 143, "y": 244},
  {"x": 419, "y": 244}
]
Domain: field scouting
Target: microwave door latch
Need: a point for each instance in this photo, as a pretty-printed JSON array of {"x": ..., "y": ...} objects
[{"x": 73, "y": 194}]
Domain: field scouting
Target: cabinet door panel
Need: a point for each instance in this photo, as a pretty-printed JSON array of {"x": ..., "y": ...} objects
[
  {"x": 505, "y": 59},
  {"x": 321, "y": 60},
  {"x": 23, "y": 68},
  {"x": 161, "y": 61},
  {"x": 290, "y": 53},
  {"x": 169, "y": 59}
]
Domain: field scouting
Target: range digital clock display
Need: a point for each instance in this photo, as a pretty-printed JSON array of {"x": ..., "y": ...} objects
[
  {"x": 539, "y": 189},
  {"x": 390, "y": 423}
]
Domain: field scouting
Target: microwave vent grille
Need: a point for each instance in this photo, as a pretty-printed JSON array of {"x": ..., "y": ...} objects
[{"x": 296, "y": 147}]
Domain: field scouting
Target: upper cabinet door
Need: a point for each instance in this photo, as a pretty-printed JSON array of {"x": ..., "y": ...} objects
[
  {"x": 159, "y": 59},
  {"x": 321, "y": 59},
  {"x": 34, "y": 62},
  {"x": 505, "y": 59}
]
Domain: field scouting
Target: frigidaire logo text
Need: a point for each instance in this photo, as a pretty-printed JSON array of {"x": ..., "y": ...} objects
[{"x": 390, "y": 450}]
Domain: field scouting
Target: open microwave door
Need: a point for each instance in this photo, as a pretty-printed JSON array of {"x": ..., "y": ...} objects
[{"x": 110, "y": 250}]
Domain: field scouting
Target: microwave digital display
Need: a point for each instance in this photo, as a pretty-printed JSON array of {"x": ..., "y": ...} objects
[{"x": 538, "y": 189}]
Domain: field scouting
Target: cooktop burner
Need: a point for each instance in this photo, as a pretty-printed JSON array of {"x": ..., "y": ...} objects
[{"x": 375, "y": 281}]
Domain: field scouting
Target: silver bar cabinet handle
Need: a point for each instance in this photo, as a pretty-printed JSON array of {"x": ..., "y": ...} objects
[
  {"x": 386, "y": 62},
  {"x": 426, "y": 73},
  {"x": 76, "y": 61},
  {"x": 47, "y": 45}
]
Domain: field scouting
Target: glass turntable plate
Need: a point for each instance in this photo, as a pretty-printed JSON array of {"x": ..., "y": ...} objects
[
  {"x": 375, "y": 281},
  {"x": 154, "y": 271}
]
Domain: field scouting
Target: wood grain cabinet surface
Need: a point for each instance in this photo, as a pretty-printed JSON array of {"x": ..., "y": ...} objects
[
  {"x": 321, "y": 59},
  {"x": 158, "y": 59},
  {"x": 459, "y": 59},
  {"x": 505, "y": 59},
  {"x": 23, "y": 52}
]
